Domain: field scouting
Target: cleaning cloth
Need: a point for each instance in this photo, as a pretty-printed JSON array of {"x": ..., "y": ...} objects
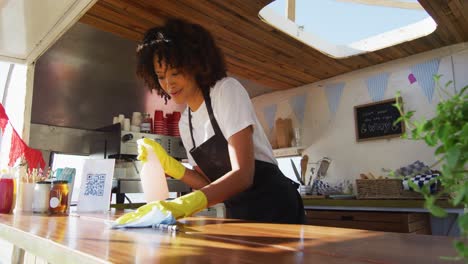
[{"x": 150, "y": 219}]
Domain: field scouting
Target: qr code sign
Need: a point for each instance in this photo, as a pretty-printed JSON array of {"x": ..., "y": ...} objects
[{"x": 95, "y": 184}]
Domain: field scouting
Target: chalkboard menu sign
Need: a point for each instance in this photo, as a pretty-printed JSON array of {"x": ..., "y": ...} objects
[{"x": 375, "y": 120}]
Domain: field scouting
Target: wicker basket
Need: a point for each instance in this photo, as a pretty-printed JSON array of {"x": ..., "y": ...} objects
[{"x": 384, "y": 189}]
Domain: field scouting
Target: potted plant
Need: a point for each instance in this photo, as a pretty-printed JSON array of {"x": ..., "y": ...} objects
[{"x": 447, "y": 133}]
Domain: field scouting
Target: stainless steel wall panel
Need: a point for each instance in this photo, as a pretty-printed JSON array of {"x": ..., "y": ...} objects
[{"x": 86, "y": 78}]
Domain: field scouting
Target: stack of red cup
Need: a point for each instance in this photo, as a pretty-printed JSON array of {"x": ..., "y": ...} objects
[
  {"x": 159, "y": 124},
  {"x": 168, "y": 125},
  {"x": 174, "y": 124}
]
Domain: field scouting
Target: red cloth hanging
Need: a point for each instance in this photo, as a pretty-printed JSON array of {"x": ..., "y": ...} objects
[
  {"x": 3, "y": 118},
  {"x": 34, "y": 158},
  {"x": 19, "y": 149}
]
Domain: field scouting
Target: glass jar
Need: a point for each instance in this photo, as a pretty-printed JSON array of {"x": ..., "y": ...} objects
[
  {"x": 41, "y": 197},
  {"x": 58, "y": 203}
]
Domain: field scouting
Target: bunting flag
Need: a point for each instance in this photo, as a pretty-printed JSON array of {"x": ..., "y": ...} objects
[
  {"x": 376, "y": 86},
  {"x": 333, "y": 92},
  {"x": 3, "y": 118},
  {"x": 18, "y": 148},
  {"x": 270, "y": 113},
  {"x": 424, "y": 74},
  {"x": 298, "y": 105},
  {"x": 411, "y": 78}
]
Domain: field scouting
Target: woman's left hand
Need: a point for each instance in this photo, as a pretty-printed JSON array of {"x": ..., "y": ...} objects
[{"x": 163, "y": 212}]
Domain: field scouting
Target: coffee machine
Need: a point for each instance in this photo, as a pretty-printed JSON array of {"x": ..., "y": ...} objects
[{"x": 111, "y": 142}]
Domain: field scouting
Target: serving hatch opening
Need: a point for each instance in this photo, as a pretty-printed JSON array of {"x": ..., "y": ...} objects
[{"x": 344, "y": 28}]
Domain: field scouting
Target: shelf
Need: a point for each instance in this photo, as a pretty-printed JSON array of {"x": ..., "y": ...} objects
[{"x": 288, "y": 152}]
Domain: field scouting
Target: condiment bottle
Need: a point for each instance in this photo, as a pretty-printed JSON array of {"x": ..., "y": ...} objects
[
  {"x": 58, "y": 203},
  {"x": 41, "y": 197},
  {"x": 7, "y": 193}
]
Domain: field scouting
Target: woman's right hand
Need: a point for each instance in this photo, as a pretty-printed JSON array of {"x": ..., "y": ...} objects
[{"x": 171, "y": 166}]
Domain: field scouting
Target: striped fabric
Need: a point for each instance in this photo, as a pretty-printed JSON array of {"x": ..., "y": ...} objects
[
  {"x": 298, "y": 105},
  {"x": 270, "y": 113},
  {"x": 376, "y": 85},
  {"x": 424, "y": 73},
  {"x": 334, "y": 92}
]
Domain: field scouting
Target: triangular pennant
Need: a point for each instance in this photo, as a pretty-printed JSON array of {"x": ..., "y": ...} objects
[
  {"x": 424, "y": 74},
  {"x": 19, "y": 149},
  {"x": 16, "y": 149},
  {"x": 34, "y": 158},
  {"x": 298, "y": 105},
  {"x": 3, "y": 119},
  {"x": 270, "y": 113},
  {"x": 411, "y": 78},
  {"x": 376, "y": 86},
  {"x": 333, "y": 92}
]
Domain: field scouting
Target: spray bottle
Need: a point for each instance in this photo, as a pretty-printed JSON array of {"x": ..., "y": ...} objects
[{"x": 153, "y": 179}]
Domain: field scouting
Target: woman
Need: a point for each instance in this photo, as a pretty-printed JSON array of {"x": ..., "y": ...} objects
[{"x": 232, "y": 158}]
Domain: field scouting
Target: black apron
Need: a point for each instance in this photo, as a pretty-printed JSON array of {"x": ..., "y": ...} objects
[{"x": 272, "y": 198}]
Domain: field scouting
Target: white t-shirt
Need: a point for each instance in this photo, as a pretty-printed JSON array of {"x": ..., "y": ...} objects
[{"x": 233, "y": 111}]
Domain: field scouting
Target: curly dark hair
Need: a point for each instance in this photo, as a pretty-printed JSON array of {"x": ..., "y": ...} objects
[{"x": 182, "y": 45}]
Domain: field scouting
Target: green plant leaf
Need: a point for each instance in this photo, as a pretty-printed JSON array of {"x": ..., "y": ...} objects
[
  {"x": 460, "y": 193},
  {"x": 431, "y": 139},
  {"x": 448, "y": 83},
  {"x": 463, "y": 90},
  {"x": 462, "y": 249},
  {"x": 463, "y": 222},
  {"x": 443, "y": 131},
  {"x": 447, "y": 132},
  {"x": 428, "y": 125},
  {"x": 464, "y": 132},
  {"x": 440, "y": 150},
  {"x": 414, "y": 186},
  {"x": 396, "y": 122},
  {"x": 435, "y": 210},
  {"x": 453, "y": 154}
]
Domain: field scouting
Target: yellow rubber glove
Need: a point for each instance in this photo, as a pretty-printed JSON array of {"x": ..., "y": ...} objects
[
  {"x": 180, "y": 207},
  {"x": 170, "y": 165}
]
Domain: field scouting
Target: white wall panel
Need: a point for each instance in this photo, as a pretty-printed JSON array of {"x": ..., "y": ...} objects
[{"x": 334, "y": 135}]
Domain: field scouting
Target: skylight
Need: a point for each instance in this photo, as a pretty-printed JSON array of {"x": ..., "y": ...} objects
[{"x": 343, "y": 28}]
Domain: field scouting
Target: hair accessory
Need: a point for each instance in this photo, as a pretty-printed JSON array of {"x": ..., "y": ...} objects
[{"x": 159, "y": 38}]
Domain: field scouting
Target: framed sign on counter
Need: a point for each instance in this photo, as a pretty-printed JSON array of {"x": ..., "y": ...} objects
[{"x": 375, "y": 120}]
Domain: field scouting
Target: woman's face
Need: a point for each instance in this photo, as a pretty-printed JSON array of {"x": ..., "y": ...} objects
[{"x": 182, "y": 87}]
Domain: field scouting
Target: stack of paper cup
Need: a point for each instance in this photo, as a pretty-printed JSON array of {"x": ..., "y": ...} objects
[
  {"x": 121, "y": 120},
  {"x": 115, "y": 120},
  {"x": 126, "y": 124},
  {"x": 136, "y": 119}
]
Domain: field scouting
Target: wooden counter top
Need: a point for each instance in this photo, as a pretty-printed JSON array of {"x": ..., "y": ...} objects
[{"x": 87, "y": 239}]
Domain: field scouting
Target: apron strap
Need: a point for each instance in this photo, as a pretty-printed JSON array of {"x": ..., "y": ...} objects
[
  {"x": 190, "y": 125},
  {"x": 213, "y": 121}
]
